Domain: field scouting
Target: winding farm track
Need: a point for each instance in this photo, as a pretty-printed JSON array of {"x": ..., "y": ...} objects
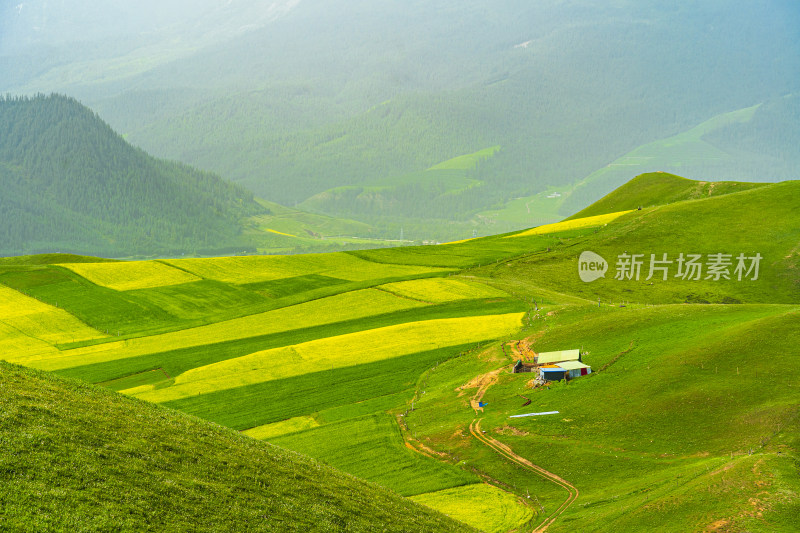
[{"x": 508, "y": 453}]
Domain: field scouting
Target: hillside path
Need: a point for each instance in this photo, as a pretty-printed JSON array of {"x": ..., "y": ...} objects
[{"x": 508, "y": 453}]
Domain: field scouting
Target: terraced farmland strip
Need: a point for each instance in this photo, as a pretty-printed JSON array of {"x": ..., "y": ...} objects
[
  {"x": 125, "y": 276},
  {"x": 343, "y": 388},
  {"x": 442, "y": 290},
  {"x": 254, "y": 269},
  {"x": 13, "y": 341},
  {"x": 335, "y": 352},
  {"x": 174, "y": 362},
  {"x": 100, "y": 307},
  {"x": 341, "y": 307},
  {"x": 284, "y": 427},
  {"x": 371, "y": 447},
  {"x": 42, "y": 321},
  {"x": 578, "y": 223},
  {"x": 206, "y": 300},
  {"x": 287, "y": 286}
]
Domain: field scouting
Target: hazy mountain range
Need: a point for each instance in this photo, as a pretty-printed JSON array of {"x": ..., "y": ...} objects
[{"x": 341, "y": 107}]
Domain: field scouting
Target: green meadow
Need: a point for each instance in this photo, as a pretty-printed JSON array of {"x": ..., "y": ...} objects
[{"x": 373, "y": 362}]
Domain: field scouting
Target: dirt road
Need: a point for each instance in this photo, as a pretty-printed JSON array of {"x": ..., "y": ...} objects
[{"x": 508, "y": 453}]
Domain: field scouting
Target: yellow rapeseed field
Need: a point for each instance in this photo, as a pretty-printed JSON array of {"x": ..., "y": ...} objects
[
  {"x": 439, "y": 290},
  {"x": 253, "y": 269},
  {"x": 284, "y": 427},
  {"x": 586, "y": 222},
  {"x": 345, "y": 306},
  {"x": 30, "y": 317},
  {"x": 276, "y": 232},
  {"x": 14, "y": 342},
  {"x": 336, "y": 352},
  {"x": 126, "y": 276},
  {"x": 480, "y": 505}
]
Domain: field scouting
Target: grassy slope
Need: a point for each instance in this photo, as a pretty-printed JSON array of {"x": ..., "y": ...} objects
[
  {"x": 693, "y": 415},
  {"x": 659, "y": 188},
  {"x": 679, "y": 425},
  {"x": 333, "y": 396},
  {"x": 652, "y": 353},
  {"x": 64, "y": 466},
  {"x": 761, "y": 220}
]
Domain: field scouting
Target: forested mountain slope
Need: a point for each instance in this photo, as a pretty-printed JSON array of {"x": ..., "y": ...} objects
[{"x": 71, "y": 184}]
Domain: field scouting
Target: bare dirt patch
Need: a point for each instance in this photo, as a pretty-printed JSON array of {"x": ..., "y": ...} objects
[
  {"x": 511, "y": 430},
  {"x": 482, "y": 383}
]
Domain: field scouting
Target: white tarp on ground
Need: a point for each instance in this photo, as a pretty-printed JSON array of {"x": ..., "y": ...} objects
[{"x": 534, "y": 414}]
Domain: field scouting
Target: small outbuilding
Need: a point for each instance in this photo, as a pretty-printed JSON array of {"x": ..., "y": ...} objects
[
  {"x": 520, "y": 367},
  {"x": 575, "y": 369},
  {"x": 546, "y": 358},
  {"x": 552, "y": 373},
  {"x": 566, "y": 370}
]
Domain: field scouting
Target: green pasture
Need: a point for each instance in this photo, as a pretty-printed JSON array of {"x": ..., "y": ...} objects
[
  {"x": 659, "y": 188},
  {"x": 690, "y": 415},
  {"x": 372, "y": 448},
  {"x": 764, "y": 220},
  {"x": 78, "y": 457},
  {"x": 685, "y": 401},
  {"x": 461, "y": 255},
  {"x": 482, "y": 506}
]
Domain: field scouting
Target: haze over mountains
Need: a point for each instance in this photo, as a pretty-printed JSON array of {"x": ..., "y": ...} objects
[{"x": 339, "y": 107}]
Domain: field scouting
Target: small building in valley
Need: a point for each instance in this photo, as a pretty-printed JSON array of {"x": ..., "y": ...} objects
[
  {"x": 546, "y": 358},
  {"x": 520, "y": 367},
  {"x": 555, "y": 366},
  {"x": 566, "y": 370},
  {"x": 552, "y": 373},
  {"x": 575, "y": 369}
]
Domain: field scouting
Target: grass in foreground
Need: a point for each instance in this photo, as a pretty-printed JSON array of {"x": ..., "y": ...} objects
[{"x": 77, "y": 457}]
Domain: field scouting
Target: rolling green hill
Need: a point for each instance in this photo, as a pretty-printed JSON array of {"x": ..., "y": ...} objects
[
  {"x": 77, "y": 456},
  {"x": 375, "y": 361},
  {"x": 653, "y": 189}
]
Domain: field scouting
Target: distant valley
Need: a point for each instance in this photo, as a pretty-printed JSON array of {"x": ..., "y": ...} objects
[{"x": 282, "y": 104}]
